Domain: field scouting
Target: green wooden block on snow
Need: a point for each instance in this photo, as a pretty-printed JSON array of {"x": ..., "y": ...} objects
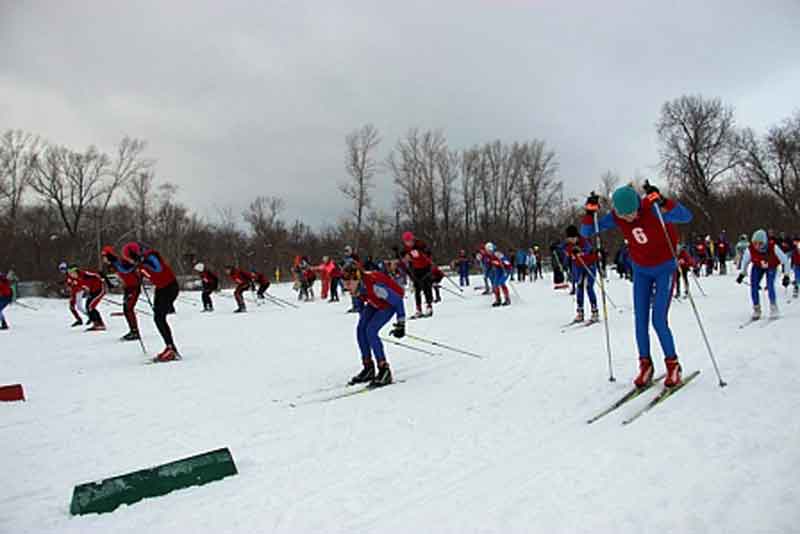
[{"x": 106, "y": 495}]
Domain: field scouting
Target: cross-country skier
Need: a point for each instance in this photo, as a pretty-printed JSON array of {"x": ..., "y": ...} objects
[
  {"x": 132, "y": 286},
  {"x": 260, "y": 280},
  {"x": 484, "y": 259},
  {"x": 765, "y": 256},
  {"x": 91, "y": 283},
  {"x": 436, "y": 282},
  {"x": 500, "y": 268},
  {"x": 584, "y": 267},
  {"x": 521, "y": 261},
  {"x": 153, "y": 267},
  {"x": 417, "y": 262},
  {"x": 723, "y": 250},
  {"x": 210, "y": 283},
  {"x": 531, "y": 265},
  {"x": 699, "y": 254},
  {"x": 462, "y": 264},
  {"x": 243, "y": 283},
  {"x": 6, "y": 294},
  {"x": 378, "y": 298},
  {"x": 74, "y": 293},
  {"x": 652, "y": 256},
  {"x": 685, "y": 264}
]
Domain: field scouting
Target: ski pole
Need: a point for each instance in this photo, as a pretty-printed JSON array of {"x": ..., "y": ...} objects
[
  {"x": 452, "y": 282},
  {"x": 697, "y": 281},
  {"x": 594, "y": 279},
  {"x": 453, "y": 292},
  {"x": 605, "y": 307},
  {"x": 27, "y": 306},
  {"x": 516, "y": 293},
  {"x": 282, "y": 301},
  {"x": 187, "y": 300},
  {"x": 442, "y": 345},
  {"x": 409, "y": 347},
  {"x": 722, "y": 383}
]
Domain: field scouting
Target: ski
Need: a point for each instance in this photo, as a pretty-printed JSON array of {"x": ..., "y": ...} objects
[
  {"x": 748, "y": 323},
  {"x": 629, "y": 396},
  {"x": 350, "y": 392},
  {"x": 661, "y": 397}
]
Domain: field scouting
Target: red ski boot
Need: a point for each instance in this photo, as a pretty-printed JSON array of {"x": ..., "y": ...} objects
[
  {"x": 169, "y": 354},
  {"x": 645, "y": 376},
  {"x": 673, "y": 377}
]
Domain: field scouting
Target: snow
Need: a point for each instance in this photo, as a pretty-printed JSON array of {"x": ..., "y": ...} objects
[{"x": 463, "y": 445}]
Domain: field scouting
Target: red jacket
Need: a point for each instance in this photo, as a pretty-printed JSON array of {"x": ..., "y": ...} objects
[
  {"x": 437, "y": 274},
  {"x": 584, "y": 256},
  {"x": 418, "y": 254},
  {"x": 260, "y": 279},
  {"x": 796, "y": 255},
  {"x": 764, "y": 260},
  {"x": 156, "y": 269},
  {"x": 89, "y": 281},
  {"x": 5, "y": 287},
  {"x": 370, "y": 297},
  {"x": 239, "y": 277},
  {"x": 685, "y": 260}
]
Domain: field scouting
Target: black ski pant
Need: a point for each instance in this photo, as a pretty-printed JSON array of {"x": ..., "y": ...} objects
[
  {"x": 129, "y": 301},
  {"x": 262, "y": 288},
  {"x": 423, "y": 283},
  {"x": 164, "y": 304},
  {"x": 334, "y": 290},
  {"x": 238, "y": 294},
  {"x": 522, "y": 272},
  {"x": 92, "y": 301},
  {"x": 682, "y": 272}
]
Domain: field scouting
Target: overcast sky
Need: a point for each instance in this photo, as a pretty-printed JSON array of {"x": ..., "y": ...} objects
[{"x": 239, "y": 99}]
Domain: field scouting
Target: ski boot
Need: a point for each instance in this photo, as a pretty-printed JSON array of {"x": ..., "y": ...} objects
[
  {"x": 774, "y": 312},
  {"x": 96, "y": 327},
  {"x": 383, "y": 378},
  {"x": 496, "y": 303},
  {"x": 428, "y": 311},
  {"x": 756, "y": 313},
  {"x": 4, "y": 326},
  {"x": 169, "y": 354},
  {"x": 240, "y": 309},
  {"x": 796, "y": 290},
  {"x": 579, "y": 317},
  {"x": 645, "y": 376},
  {"x": 77, "y": 322},
  {"x": 595, "y": 316},
  {"x": 673, "y": 377},
  {"x": 133, "y": 335},
  {"x": 367, "y": 374},
  {"x": 507, "y": 302}
]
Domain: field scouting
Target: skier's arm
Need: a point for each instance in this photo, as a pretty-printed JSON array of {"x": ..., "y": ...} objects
[
  {"x": 394, "y": 300},
  {"x": 745, "y": 261},
  {"x": 784, "y": 259},
  {"x": 152, "y": 264},
  {"x": 606, "y": 222},
  {"x": 676, "y": 213}
]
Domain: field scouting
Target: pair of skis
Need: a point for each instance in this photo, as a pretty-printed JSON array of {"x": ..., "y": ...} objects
[
  {"x": 349, "y": 391},
  {"x": 585, "y": 324},
  {"x": 635, "y": 392}
]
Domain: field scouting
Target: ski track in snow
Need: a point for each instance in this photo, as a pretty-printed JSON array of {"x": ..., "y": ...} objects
[{"x": 463, "y": 445}]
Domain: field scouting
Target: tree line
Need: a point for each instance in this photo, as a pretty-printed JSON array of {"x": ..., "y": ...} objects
[{"x": 58, "y": 203}]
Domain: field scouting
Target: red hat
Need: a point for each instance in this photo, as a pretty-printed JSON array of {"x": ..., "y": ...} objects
[
  {"x": 408, "y": 236},
  {"x": 108, "y": 250},
  {"x": 132, "y": 252}
]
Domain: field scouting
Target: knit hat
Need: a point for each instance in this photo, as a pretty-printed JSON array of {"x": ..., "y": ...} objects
[
  {"x": 408, "y": 236},
  {"x": 625, "y": 200},
  {"x": 572, "y": 231},
  {"x": 759, "y": 236}
]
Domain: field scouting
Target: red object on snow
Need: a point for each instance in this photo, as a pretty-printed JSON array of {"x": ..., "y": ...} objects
[{"x": 12, "y": 393}]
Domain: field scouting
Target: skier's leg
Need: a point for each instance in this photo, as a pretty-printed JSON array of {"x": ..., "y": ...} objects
[
  {"x": 663, "y": 296},
  {"x": 642, "y": 292},
  {"x": 771, "y": 274},
  {"x": 163, "y": 305},
  {"x": 361, "y": 332},
  {"x": 590, "y": 287},
  {"x": 756, "y": 273},
  {"x": 130, "y": 299},
  {"x": 377, "y": 321},
  {"x": 581, "y": 279},
  {"x": 3, "y": 303}
]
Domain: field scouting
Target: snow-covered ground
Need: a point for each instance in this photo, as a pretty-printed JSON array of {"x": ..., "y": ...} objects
[{"x": 463, "y": 445}]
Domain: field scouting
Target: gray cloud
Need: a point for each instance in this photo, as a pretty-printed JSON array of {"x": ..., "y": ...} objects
[{"x": 239, "y": 99}]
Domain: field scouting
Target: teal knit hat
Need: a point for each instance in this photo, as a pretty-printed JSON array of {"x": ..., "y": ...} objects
[
  {"x": 759, "y": 236},
  {"x": 625, "y": 200}
]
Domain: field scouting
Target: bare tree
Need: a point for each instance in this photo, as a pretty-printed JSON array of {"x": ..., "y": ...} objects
[
  {"x": 18, "y": 152},
  {"x": 774, "y": 162},
  {"x": 448, "y": 170},
  {"x": 608, "y": 184},
  {"x": 140, "y": 197},
  {"x": 698, "y": 148},
  {"x": 538, "y": 189},
  {"x": 361, "y": 165}
]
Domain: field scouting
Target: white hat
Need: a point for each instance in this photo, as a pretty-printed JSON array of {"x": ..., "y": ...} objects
[
  {"x": 489, "y": 246},
  {"x": 199, "y": 267}
]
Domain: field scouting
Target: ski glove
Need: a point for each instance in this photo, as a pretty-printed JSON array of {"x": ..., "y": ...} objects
[
  {"x": 740, "y": 278},
  {"x": 592, "y": 203},
  {"x": 399, "y": 329},
  {"x": 654, "y": 194},
  {"x": 785, "y": 280}
]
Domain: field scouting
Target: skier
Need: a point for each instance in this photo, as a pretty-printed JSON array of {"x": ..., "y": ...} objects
[
  {"x": 532, "y": 265},
  {"x": 417, "y": 263},
  {"x": 325, "y": 269},
  {"x": 261, "y": 280},
  {"x": 796, "y": 266},
  {"x": 91, "y": 283},
  {"x": 538, "y": 256},
  {"x": 152, "y": 266},
  {"x": 336, "y": 279},
  {"x": 484, "y": 259},
  {"x": 436, "y": 278},
  {"x": 75, "y": 294},
  {"x": 584, "y": 266},
  {"x": 243, "y": 283},
  {"x": 500, "y": 269},
  {"x": 132, "y": 286},
  {"x": 765, "y": 257},
  {"x": 6, "y": 294},
  {"x": 462, "y": 265},
  {"x": 521, "y": 260},
  {"x": 557, "y": 264},
  {"x": 652, "y": 256},
  {"x": 685, "y": 263},
  {"x": 379, "y": 298},
  {"x": 699, "y": 255},
  {"x": 741, "y": 246},
  {"x": 210, "y": 284},
  {"x": 723, "y": 251}
]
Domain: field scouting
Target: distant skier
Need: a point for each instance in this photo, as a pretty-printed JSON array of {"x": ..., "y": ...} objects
[
  {"x": 538, "y": 262},
  {"x": 521, "y": 262},
  {"x": 379, "y": 298},
  {"x": 436, "y": 282},
  {"x": 75, "y": 293},
  {"x": 6, "y": 294},
  {"x": 699, "y": 255},
  {"x": 243, "y": 283},
  {"x": 584, "y": 265},
  {"x": 765, "y": 256},
  {"x": 417, "y": 262},
  {"x": 261, "y": 282},
  {"x": 91, "y": 283},
  {"x": 557, "y": 264},
  {"x": 132, "y": 286},
  {"x": 210, "y": 283},
  {"x": 723, "y": 250},
  {"x": 652, "y": 256},
  {"x": 741, "y": 246},
  {"x": 532, "y": 265},
  {"x": 462, "y": 264},
  {"x": 685, "y": 264},
  {"x": 153, "y": 267},
  {"x": 500, "y": 269}
]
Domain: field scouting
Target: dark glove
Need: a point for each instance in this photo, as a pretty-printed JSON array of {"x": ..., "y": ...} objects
[
  {"x": 576, "y": 251},
  {"x": 740, "y": 278},
  {"x": 785, "y": 280},
  {"x": 399, "y": 329},
  {"x": 654, "y": 194},
  {"x": 593, "y": 203}
]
